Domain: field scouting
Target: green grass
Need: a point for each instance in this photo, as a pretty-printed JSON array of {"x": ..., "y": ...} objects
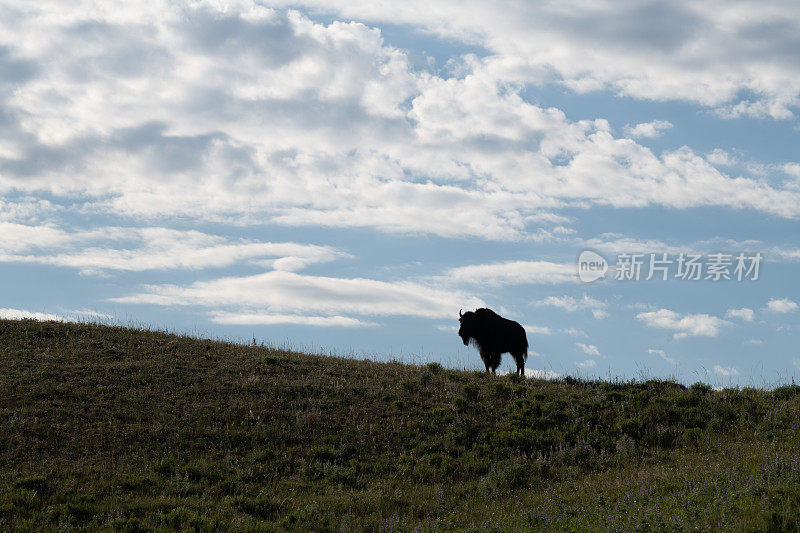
[{"x": 112, "y": 428}]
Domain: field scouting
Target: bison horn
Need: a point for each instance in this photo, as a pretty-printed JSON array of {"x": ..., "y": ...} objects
[{"x": 460, "y": 313}]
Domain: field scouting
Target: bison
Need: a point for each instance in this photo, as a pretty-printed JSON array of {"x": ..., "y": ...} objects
[{"x": 494, "y": 335}]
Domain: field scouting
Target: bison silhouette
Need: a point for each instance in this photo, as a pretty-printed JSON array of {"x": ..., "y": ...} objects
[{"x": 494, "y": 335}]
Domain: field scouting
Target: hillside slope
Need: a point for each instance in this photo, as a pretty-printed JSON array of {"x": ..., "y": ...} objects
[{"x": 112, "y": 427}]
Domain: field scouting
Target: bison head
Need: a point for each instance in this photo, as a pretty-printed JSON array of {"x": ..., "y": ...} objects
[{"x": 466, "y": 330}]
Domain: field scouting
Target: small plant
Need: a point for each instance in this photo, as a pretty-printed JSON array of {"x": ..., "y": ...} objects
[
  {"x": 410, "y": 385},
  {"x": 434, "y": 368},
  {"x": 470, "y": 392}
]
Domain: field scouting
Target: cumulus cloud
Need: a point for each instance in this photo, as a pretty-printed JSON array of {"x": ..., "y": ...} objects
[
  {"x": 740, "y": 61},
  {"x": 662, "y": 354},
  {"x": 721, "y": 157},
  {"x": 744, "y": 314},
  {"x": 782, "y": 305},
  {"x": 236, "y": 115},
  {"x": 589, "y": 363},
  {"x": 725, "y": 370},
  {"x": 792, "y": 169},
  {"x": 570, "y": 303},
  {"x": 690, "y": 325},
  {"x": 648, "y": 130}
]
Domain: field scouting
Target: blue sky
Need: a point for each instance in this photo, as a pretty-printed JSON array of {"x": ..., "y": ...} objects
[{"x": 344, "y": 177}]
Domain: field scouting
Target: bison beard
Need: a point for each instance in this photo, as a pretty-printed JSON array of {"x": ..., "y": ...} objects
[{"x": 494, "y": 335}]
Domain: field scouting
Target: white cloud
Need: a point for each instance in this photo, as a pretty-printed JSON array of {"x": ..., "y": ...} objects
[
  {"x": 149, "y": 248},
  {"x": 289, "y": 293},
  {"x": 537, "y": 330},
  {"x": 574, "y": 332},
  {"x": 662, "y": 354},
  {"x": 19, "y": 314},
  {"x": 272, "y": 319},
  {"x": 744, "y": 313},
  {"x": 540, "y": 374},
  {"x": 648, "y": 130},
  {"x": 589, "y": 363},
  {"x": 514, "y": 273},
  {"x": 725, "y": 370},
  {"x": 710, "y": 53},
  {"x": 89, "y": 314},
  {"x": 615, "y": 243},
  {"x": 589, "y": 349},
  {"x": 236, "y": 114},
  {"x": 698, "y": 325},
  {"x": 534, "y": 373},
  {"x": 570, "y": 303},
  {"x": 782, "y": 305},
  {"x": 720, "y": 157},
  {"x": 792, "y": 169}
]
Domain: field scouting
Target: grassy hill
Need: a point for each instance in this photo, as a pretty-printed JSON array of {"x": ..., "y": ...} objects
[{"x": 107, "y": 427}]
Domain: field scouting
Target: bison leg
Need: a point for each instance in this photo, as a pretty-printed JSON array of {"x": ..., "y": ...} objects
[
  {"x": 519, "y": 358},
  {"x": 488, "y": 360},
  {"x": 491, "y": 360}
]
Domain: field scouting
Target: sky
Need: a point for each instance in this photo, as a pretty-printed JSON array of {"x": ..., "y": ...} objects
[{"x": 344, "y": 177}]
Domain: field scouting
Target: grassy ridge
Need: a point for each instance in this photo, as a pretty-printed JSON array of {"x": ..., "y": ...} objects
[{"x": 128, "y": 429}]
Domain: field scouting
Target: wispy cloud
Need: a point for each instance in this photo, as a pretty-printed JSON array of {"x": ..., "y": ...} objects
[
  {"x": 271, "y": 319},
  {"x": 515, "y": 273},
  {"x": 589, "y": 349},
  {"x": 19, "y": 314},
  {"x": 663, "y": 355},
  {"x": 570, "y": 303},
  {"x": 537, "y": 330},
  {"x": 150, "y": 248},
  {"x": 289, "y": 293}
]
